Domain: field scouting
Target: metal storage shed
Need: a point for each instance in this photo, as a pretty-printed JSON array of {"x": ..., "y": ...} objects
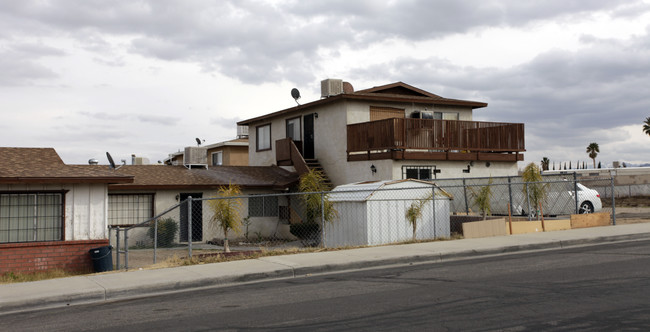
[{"x": 374, "y": 213}]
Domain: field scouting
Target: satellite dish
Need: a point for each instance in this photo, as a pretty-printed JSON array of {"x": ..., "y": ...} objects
[
  {"x": 110, "y": 160},
  {"x": 198, "y": 141},
  {"x": 295, "y": 94}
]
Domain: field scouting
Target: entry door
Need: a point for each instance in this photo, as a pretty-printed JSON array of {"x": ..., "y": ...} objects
[
  {"x": 197, "y": 217},
  {"x": 308, "y": 141}
]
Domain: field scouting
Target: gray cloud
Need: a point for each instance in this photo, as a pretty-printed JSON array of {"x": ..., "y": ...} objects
[
  {"x": 18, "y": 71},
  {"x": 257, "y": 42},
  {"x": 158, "y": 119},
  {"x": 566, "y": 99}
]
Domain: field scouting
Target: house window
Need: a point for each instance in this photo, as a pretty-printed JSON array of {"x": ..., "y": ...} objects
[
  {"x": 31, "y": 216},
  {"x": 445, "y": 116},
  {"x": 450, "y": 116},
  {"x": 217, "y": 158},
  {"x": 381, "y": 113},
  {"x": 293, "y": 129},
  {"x": 263, "y": 137},
  {"x": 264, "y": 206},
  {"x": 419, "y": 172},
  {"x": 129, "y": 209}
]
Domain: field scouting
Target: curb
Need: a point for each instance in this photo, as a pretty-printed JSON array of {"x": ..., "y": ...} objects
[{"x": 98, "y": 292}]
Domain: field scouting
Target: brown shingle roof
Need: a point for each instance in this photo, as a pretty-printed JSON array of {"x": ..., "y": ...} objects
[
  {"x": 179, "y": 177},
  {"x": 43, "y": 165}
]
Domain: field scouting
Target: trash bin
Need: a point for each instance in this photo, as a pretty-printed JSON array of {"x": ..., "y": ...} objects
[{"x": 102, "y": 258}]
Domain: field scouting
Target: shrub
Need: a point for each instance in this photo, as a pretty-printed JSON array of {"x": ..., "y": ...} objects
[
  {"x": 167, "y": 229},
  {"x": 308, "y": 233}
]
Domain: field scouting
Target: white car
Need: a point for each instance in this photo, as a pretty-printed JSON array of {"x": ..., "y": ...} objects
[
  {"x": 589, "y": 200},
  {"x": 560, "y": 200}
]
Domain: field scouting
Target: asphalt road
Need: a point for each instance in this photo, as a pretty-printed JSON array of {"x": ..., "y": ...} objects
[{"x": 601, "y": 288}]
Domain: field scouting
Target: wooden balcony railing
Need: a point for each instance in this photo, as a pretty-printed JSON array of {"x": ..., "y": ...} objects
[
  {"x": 287, "y": 154},
  {"x": 405, "y": 138}
]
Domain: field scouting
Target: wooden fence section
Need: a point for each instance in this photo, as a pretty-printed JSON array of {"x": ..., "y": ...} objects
[
  {"x": 288, "y": 154},
  {"x": 401, "y": 134}
]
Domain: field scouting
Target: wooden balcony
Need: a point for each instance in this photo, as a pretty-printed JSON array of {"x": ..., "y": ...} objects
[{"x": 424, "y": 139}]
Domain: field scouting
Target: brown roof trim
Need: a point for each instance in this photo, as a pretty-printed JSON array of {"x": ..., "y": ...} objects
[
  {"x": 71, "y": 180},
  {"x": 399, "y": 84},
  {"x": 119, "y": 188},
  {"x": 371, "y": 95}
]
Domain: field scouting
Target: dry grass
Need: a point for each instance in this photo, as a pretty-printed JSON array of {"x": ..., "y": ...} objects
[{"x": 14, "y": 277}]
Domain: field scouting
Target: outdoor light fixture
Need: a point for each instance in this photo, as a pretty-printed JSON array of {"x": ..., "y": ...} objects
[{"x": 373, "y": 169}]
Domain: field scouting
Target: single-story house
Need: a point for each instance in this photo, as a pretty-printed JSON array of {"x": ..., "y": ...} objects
[
  {"x": 374, "y": 212},
  {"x": 157, "y": 188},
  {"x": 51, "y": 214}
]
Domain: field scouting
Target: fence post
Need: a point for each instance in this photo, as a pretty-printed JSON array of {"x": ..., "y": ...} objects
[
  {"x": 155, "y": 239},
  {"x": 189, "y": 226},
  {"x": 433, "y": 207},
  {"x": 117, "y": 246},
  {"x": 530, "y": 213},
  {"x": 126, "y": 249},
  {"x": 575, "y": 191},
  {"x": 465, "y": 193},
  {"x": 322, "y": 218},
  {"x": 611, "y": 178},
  {"x": 509, "y": 193}
]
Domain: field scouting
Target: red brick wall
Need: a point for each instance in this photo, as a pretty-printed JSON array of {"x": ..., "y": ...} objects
[{"x": 41, "y": 256}]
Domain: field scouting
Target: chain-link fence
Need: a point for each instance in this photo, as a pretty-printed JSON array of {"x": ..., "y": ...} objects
[
  {"x": 555, "y": 195},
  {"x": 372, "y": 213}
]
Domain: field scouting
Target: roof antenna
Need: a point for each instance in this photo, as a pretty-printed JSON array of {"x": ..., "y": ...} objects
[
  {"x": 112, "y": 163},
  {"x": 199, "y": 142},
  {"x": 296, "y": 95}
]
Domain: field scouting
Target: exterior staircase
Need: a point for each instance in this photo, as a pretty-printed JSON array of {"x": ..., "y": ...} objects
[{"x": 313, "y": 164}]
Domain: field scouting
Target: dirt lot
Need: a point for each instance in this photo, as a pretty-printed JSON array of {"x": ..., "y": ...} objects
[
  {"x": 630, "y": 210},
  {"x": 634, "y": 201}
]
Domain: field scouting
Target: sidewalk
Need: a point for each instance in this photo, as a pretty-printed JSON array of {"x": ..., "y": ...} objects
[{"x": 140, "y": 283}]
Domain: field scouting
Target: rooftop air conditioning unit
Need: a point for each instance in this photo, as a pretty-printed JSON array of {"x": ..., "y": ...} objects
[
  {"x": 141, "y": 161},
  {"x": 195, "y": 156},
  {"x": 331, "y": 87},
  {"x": 242, "y": 131}
]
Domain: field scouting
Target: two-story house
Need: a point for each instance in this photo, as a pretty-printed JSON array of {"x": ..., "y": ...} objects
[
  {"x": 394, "y": 131},
  {"x": 228, "y": 153}
]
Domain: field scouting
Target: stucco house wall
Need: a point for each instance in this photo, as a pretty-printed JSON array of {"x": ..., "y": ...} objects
[{"x": 330, "y": 144}]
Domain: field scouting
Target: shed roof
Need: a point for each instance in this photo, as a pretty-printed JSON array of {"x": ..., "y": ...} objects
[
  {"x": 43, "y": 165},
  {"x": 179, "y": 177},
  {"x": 386, "y": 189}
]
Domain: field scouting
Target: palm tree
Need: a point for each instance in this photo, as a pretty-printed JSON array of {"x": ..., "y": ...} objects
[
  {"x": 226, "y": 211},
  {"x": 593, "y": 151},
  {"x": 414, "y": 212},
  {"x": 646, "y": 126},
  {"x": 533, "y": 188},
  {"x": 545, "y": 163}
]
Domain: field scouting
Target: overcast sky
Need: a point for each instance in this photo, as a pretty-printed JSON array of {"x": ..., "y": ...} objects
[{"x": 147, "y": 77}]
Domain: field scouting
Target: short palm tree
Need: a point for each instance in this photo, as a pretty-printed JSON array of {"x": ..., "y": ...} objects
[
  {"x": 226, "y": 211},
  {"x": 533, "y": 188},
  {"x": 646, "y": 126},
  {"x": 593, "y": 151},
  {"x": 545, "y": 163}
]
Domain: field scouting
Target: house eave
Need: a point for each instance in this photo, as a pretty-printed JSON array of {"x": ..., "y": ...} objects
[
  {"x": 65, "y": 180},
  {"x": 368, "y": 97}
]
